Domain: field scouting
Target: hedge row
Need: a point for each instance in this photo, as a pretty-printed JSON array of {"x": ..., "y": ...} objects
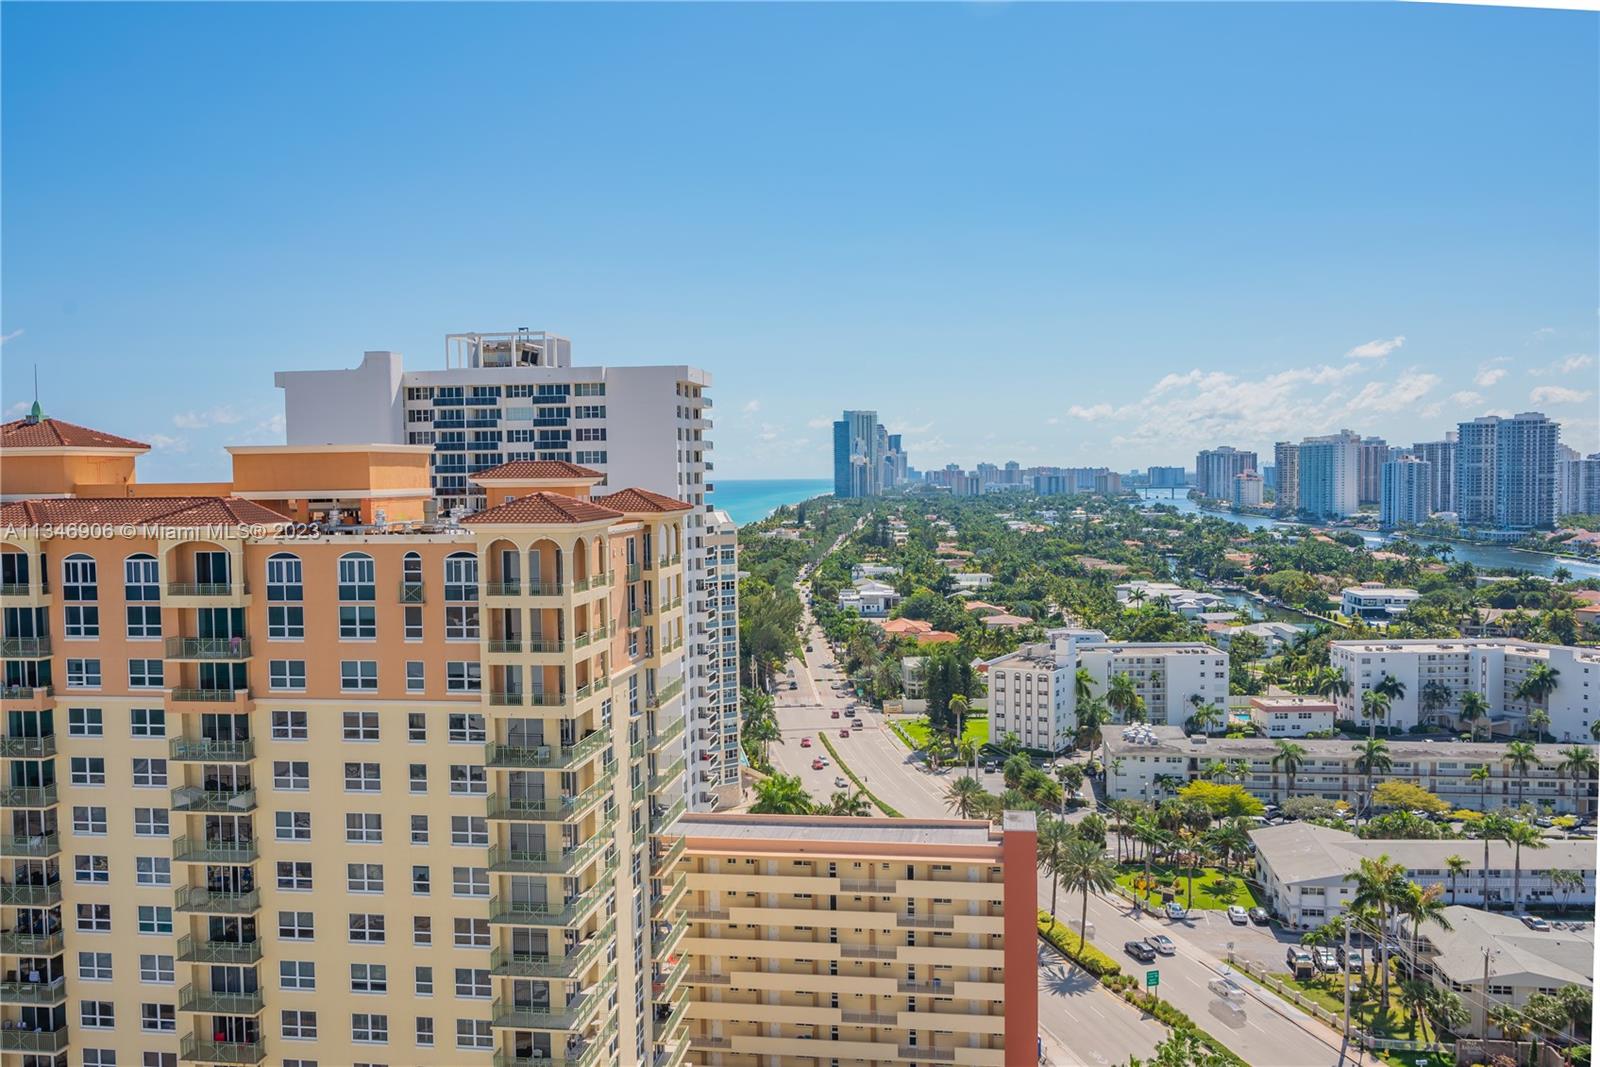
[
  {"x": 892, "y": 812},
  {"x": 1065, "y": 940}
]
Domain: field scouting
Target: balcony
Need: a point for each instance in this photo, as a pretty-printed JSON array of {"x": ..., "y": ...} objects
[
  {"x": 203, "y": 901},
  {"x": 925, "y": 922},
  {"x": 224, "y": 952},
  {"x": 584, "y": 1053},
  {"x": 193, "y": 1050},
  {"x": 660, "y": 780},
  {"x": 201, "y": 850},
  {"x": 661, "y": 821},
  {"x": 213, "y": 801},
  {"x": 502, "y": 588},
  {"x": 524, "y": 913},
  {"x": 594, "y": 633},
  {"x": 411, "y": 593},
  {"x": 235, "y": 699},
  {"x": 670, "y": 940},
  {"x": 206, "y": 750},
  {"x": 33, "y": 1040},
  {"x": 666, "y": 858},
  {"x": 548, "y": 809},
  {"x": 633, "y": 572},
  {"x": 21, "y": 590},
  {"x": 666, "y": 693},
  {"x": 529, "y": 965},
  {"x": 635, "y": 619},
  {"x": 23, "y": 943},
  {"x": 28, "y": 796},
  {"x": 38, "y": 994},
  {"x": 667, "y": 734},
  {"x": 26, "y": 697},
  {"x": 30, "y": 894},
  {"x": 661, "y": 907},
  {"x": 553, "y": 757},
  {"x": 201, "y": 589},
  {"x": 39, "y": 846},
  {"x": 25, "y": 647},
  {"x": 512, "y": 861},
  {"x": 598, "y": 581},
  {"x": 574, "y": 1016},
  {"x": 209, "y": 1003},
  {"x": 208, "y": 648},
  {"x": 27, "y": 747}
]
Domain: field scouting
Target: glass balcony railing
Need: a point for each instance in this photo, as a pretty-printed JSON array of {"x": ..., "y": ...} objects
[
  {"x": 33, "y": 1040},
  {"x": 553, "y": 913},
  {"x": 216, "y": 902},
  {"x": 25, "y": 647},
  {"x": 202, "y": 850},
  {"x": 193, "y": 1050},
  {"x": 191, "y": 950},
  {"x": 555, "y": 757},
  {"x": 30, "y": 894},
  {"x": 213, "y": 1003},
  {"x": 546, "y": 809},
  {"x": 581, "y": 1053},
  {"x": 208, "y": 648},
  {"x": 540, "y": 965},
  {"x": 28, "y": 796},
  {"x": 34, "y": 993},
  {"x": 28, "y": 747},
  {"x": 207, "y": 750},
  {"x": 37, "y": 846},
  {"x": 213, "y": 801}
]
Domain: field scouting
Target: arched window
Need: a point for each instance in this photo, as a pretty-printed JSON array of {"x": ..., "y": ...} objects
[
  {"x": 80, "y": 590},
  {"x": 461, "y": 596},
  {"x": 358, "y": 588},
  {"x": 141, "y": 578},
  {"x": 286, "y": 617}
]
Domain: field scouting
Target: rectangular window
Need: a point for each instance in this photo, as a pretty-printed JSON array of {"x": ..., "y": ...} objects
[
  {"x": 468, "y": 728},
  {"x": 364, "y": 877},
  {"x": 91, "y": 869},
  {"x": 363, "y": 828},
  {"x": 357, "y": 622},
  {"x": 294, "y": 876},
  {"x": 146, "y": 673},
  {"x": 155, "y": 919},
  {"x": 369, "y": 978},
  {"x": 413, "y": 617},
  {"x": 160, "y": 1018},
  {"x": 474, "y": 1034},
  {"x": 97, "y": 1014},
  {"x": 416, "y": 727},
  {"x": 473, "y": 983},
  {"x": 286, "y": 622},
  {"x": 362, "y": 778},
  {"x": 83, "y": 674},
  {"x": 470, "y": 830},
  {"x": 366, "y": 928},
  {"x": 88, "y": 770},
  {"x": 286, "y": 674},
  {"x": 296, "y": 925},
  {"x": 94, "y": 966},
  {"x": 148, "y": 722},
  {"x": 88, "y": 821},
  {"x": 152, "y": 870},
  {"x": 85, "y": 722},
  {"x": 359, "y": 675},
  {"x": 298, "y": 975},
  {"x": 149, "y": 773},
  {"x": 424, "y": 1031},
  {"x": 461, "y": 676},
  {"x": 360, "y": 726},
  {"x": 472, "y": 933},
  {"x": 156, "y": 969},
  {"x": 470, "y": 881},
  {"x": 291, "y": 775},
  {"x": 468, "y": 780},
  {"x": 369, "y": 1029},
  {"x": 421, "y": 930},
  {"x": 292, "y": 825},
  {"x": 415, "y": 676},
  {"x": 289, "y": 726},
  {"x": 424, "y": 981},
  {"x": 152, "y": 822},
  {"x": 299, "y": 1025}
]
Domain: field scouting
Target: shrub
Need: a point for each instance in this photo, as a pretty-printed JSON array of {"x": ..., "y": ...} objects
[{"x": 1065, "y": 940}]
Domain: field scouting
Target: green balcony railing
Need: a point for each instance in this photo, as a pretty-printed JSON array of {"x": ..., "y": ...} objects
[
  {"x": 545, "y": 645},
  {"x": 30, "y": 894},
  {"x": 214, "y": 902},
  {"x": 517, "y": 861},
  {"x": 207, "y": 750},
  {"x": 214, "y": 1003},
  {"x": 582, "y": 1053},
  {"x": 34, "y": 993},
  {"x": 28, "y": 796},
  {"x": 662, "y": 907},
  {"x": 213, "y": 801},
  {"x": 37, "y": 846},
  {"x": 664, "y": 858},
  {"x": 191, "y": 950},
  {"x": 199, "y": 588},
  {"x": 33, "y": 1040},
  {"x": 574, "y": 1016},
  {"x": 223, "y": 648},
  {"x": 546, "y": 589},
  {"x": 28, "y": 747},
  {"x": 661, "y": 779},
  {"x": 545, "y": 809},
  {"x": 200, "y": 850},
  {"x": 23, "y": 943},
  {"x": 538, "y": 965},
  {"x": 552, "y": 756},
  {"x": 553, "y": 914},
  {"x": 208, "y": 696},
  {"x": 667, "y": 734},
  {"x": 666, "y": 693},
  {"x": 193, "y": 1050},
  {"x": 502, "y": 588},
  {"x": 633, "y": 572},
  {"x": 25, "y": 647},
  {"x": 548, "y": 699},
  {"x": 660, "y": 822}
]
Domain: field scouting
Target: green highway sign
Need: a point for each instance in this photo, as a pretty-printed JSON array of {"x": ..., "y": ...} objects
[{"x": 1152, "y": 978}]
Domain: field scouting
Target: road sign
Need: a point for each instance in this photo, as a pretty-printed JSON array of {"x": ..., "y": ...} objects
[{"x": 1152, "y": 979}]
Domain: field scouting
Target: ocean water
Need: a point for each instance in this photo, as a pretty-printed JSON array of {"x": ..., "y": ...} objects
[{"x": 752, "y": 499}]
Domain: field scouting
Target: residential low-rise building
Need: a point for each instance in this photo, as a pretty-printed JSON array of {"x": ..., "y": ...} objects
[
  {"x": 1248, "y": 490},
  {"x": 1519, "y": 961},
  {"x": 1291, "y": 716},
  {"x": 972, "y": 581},
  {"x": 1376, "y": 602},
  {"x": 1304, "y": 870},
  {"x": 870, "y": 599},
  {"x": 872, "y": 570},
  {"x": 817, "y": 939},
  {"x": 1190, "y": 603},
  {"x": 1437, "y": 671},
  {"x": 1149, "y": 762},
  {"x": 1274, "y": 636}
]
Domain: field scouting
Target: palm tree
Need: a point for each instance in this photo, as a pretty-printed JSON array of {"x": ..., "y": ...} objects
[
  {"x": 1521, "y": 835},
  {"x": 964, "y": 797},
  {"x": 1380, "y": 884},
  {"x": 762, "y": 731},
  {"x": 1083, "y": 687},
  {"x": 1121, "y": 695},
  {"x": 1085, "y": 868},
  {"x": 1511, "y": 1023},
  {"x": 1580, "y": 764},
  {"x": 1418, "y": 906},
  {"x": 1229, "y": 839},
  {"x": 1391, "y": 687},
  {"x": 1331, "y": 684},
  {"x": 1456, "y": 866},
  {"x": 1054, "y": 837},
  {"x": 1494, "y": 827},
  {"x": 967, "y": 750},
  {"x": 1414, "y": 995},
  {"x": 1372, "y": 758},
  {"x": 1205, "y": 717},
  {"x": 1374, "y": 706},
  {"x": 1288, "y": 758},
  {"x": 1474, "y": 709},
  {"x": 782, "y": 794},
  {"x": 1537, "y": 686},
  {"x": 1217, "y": 770},
  {"x": 1538, "y": 724},
  {"x": 1594, "y": 730},
  {"x": 1239, "y": 770},
  {"x": 1433, "y": 695},
  {"x": 847, "y": 803},
  {"x": 1520, "y": 756},
  {"x": 1564, "y": 882}
]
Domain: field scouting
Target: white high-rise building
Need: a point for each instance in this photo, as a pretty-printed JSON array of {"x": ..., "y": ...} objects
[
  {"x": 1330, "y": 475},
  {"x": 1215, "y": 468},
  {"x": 1506, "y": 471},
  {"x": 1578, "y": 485},
  {"x": 516, "y": 395},
  {"x": 1247, "y": 490},
  {"x": 1442, "y": 455},
  {"x": 1406, "y": 492},
  {"x": 1375, "y": 452},
  {"x": 715, "y": 778},
  {"x": 1286, "y": 458}
]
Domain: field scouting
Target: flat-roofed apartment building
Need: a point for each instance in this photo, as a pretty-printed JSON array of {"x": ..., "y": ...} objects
[
  {"x": 1150, "y": 762},
  {"x": 819, "y": 940},
  {"x": 340, "y": 793},
  {"x": 1495, "y": 668}
]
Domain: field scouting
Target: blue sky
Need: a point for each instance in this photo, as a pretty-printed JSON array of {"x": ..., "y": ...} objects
[{"x": 1065, "y": 234}]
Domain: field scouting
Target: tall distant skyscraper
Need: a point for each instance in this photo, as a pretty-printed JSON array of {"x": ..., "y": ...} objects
[
  {"x": 1578, "y": 485},
  {"x": 1330, "y": 475},
  {"x": 1215, "y": 469},
  {"x": 1405, "y": 491},
  {"x": 1286, "y": 458},
  {"x": 1374, "y": 454},
  {"x": 1166, "y": 477},
  {"x": 1441, "y": 455},
  {"x": 867, "y": 458},
  {"x": 1506, "y": 471}
]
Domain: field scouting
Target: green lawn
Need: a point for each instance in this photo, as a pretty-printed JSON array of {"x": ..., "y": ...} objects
[
  {"x": 915, "y": 731},
  {"x": 1213, "y": 890},
  {"x": 1328, "y": 992}
]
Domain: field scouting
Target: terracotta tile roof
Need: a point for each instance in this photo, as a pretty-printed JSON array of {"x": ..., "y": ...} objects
[
  {"x": 532, "y": 469},
  {"x": 543, "y": 509},
  {"x": 907, "y": 626},
  {"x": 642, "y": 501},
  {"x": 53, "y": 433},
  {"x": 154, "y": 510}
]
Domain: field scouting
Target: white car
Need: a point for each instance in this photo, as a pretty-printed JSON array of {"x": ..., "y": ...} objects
[{"x": 1237, "y": 915}]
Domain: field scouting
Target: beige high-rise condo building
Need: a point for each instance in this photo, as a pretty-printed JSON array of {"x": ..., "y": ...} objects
[{"x": 288, "y": 782}]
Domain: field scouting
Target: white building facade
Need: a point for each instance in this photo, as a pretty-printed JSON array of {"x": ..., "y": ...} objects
[
  {"x": 1406, "y": 493},
  {"x": 1374, "y": 602},
  {"x": 1329, "y": 477}
]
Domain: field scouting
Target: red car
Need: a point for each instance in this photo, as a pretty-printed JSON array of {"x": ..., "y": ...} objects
[
  {"x": 834, "y": 714},
  {"x": 845, "y": 732},
  {"x": 805, "y": 742},
  {"x": 816, "y": 765}
]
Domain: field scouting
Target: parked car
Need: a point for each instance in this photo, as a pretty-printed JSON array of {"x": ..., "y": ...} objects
[
  {"x": 1225, "y": 988},
  {"x": 1162, "y": 944},
  {"x": 808, "y": 648},
  {"x": 845, "y": 732},
  {"x": 834, "y": 714},
  {"x": 1301, "y": 965},
  {"x": 1237, "y": 915},
  {"x": 794, "y": 685},
  {"x": 1259, "y": 916},
  {"x": 988, "y": 766},
  {"x": 805, "y": 742},
  {"x": 1327, "y": 960},
  {"x": 1176, "y": 911},
  {"x": 1352, "y": 960},
  {"x": 817, "y": 764},
  {"x": 840, "y": 782},
  {"x": 857, "y": 723},
  {"x": 1533, "y": 922},
  {"x": 1140, "y": 951}
]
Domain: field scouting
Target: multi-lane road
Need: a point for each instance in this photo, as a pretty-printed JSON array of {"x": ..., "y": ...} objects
[{"x": 1082, "y": 1023}]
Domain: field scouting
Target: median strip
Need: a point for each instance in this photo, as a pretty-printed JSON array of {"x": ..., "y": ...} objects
[{"x": 892, "y": 812}]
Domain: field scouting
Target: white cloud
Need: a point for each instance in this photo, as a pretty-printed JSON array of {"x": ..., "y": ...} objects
[
  {"x": 19, "y": 408},
  {"x": 12, "y": 336},
  {"x": 1092, "y": 413},
  {"x": 1574, "y": 362},
  {"x": 906, "y": 429},
  {"x": 751, "y": 407},
  {"x": 1466, "y": 398},
  {"x": 1557, "y": 394},
  {"x": 1541, "y": 334},
  {"x": 1200, "y": 407},
  {"x": 1487, "y": 376},
  {"x": 162, "y": 443},
  {"x": 818, "y": 424},
  {"x": 1376, "y": 349},
  {"x": 1393, "y": 396},
  {"x": 199, "y": 420}
]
